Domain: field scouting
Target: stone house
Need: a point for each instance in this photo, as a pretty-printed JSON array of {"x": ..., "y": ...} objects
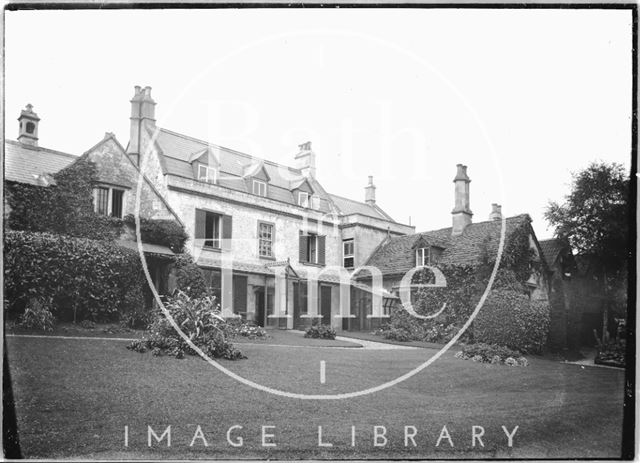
[
  {"x": 271, "y": 241},
  {"x": 464, "y": 244},
  {"x": 25, "y": 162}
]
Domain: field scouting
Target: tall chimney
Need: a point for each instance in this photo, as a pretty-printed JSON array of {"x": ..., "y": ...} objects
[
  {"x": 306, "y": 160},
  {"x": 143, "y": 112},
  {"x": 496, "y": 212},
  {"x": 461, "y": 212},
  {"x": 370, "y": 192},
  {"x": 28, "y": 132}
]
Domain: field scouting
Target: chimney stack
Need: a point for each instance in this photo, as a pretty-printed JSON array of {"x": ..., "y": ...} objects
[
  {"x": 28, "y": 132},
  {"x": 461, "y": 212},
  {"x": 370, "y": 192},
  {"x": 143, "y": 112},
  {"x": 496, "y": 212},
  {"x": 306, "y": 160}
]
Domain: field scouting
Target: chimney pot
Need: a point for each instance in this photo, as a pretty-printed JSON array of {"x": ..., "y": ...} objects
[
  {"x": 306, "y": 160},
  {"x": 461, "y": 214},
  {"x": 370, "y": 192},
  {"x": 496, "y": 212}
]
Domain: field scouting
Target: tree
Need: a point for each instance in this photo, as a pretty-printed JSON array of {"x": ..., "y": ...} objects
[{"x": 595, "y": 219}]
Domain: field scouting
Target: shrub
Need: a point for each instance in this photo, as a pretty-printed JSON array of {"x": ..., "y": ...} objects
[
  {"x": 189, "y": 277},
  {"x": 493, "y": 354},
  {"x": 612, "y": 354},
  {"x": 163, "y": 232},
  {"x": 37, "y": 315},
  {"x": 84, "y": 279},
  {"x": 246, "y": 329},
  {"x": 199, "y": 319},
  {"x": 510, "y": 319},
  {"x": 320, "y": 331}
]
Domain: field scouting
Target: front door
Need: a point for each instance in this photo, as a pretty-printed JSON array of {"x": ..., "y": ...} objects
[{"x": 325, "y": 304}]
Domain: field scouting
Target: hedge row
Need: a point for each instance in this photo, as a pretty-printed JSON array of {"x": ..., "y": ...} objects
[
  {"x": 509, "y": 318},
  {"x": 85, "y": 279}
]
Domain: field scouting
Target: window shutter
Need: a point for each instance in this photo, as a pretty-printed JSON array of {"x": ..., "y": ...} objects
[
  {"x": 321, "y": 249},
  {"x": 226, "y": 232},
  {"x": 304, "y": 257},
  {"x": 239, "y": 293},
  {"x": 200, "y": 224}
]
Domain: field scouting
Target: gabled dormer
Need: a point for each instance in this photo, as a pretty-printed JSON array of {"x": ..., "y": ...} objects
[
  {"x": 206, "y": 165},
  {"x": 303, "y": 194},
  {"x": 426, "y": 253},
  {"x": 256, "y": 178}
]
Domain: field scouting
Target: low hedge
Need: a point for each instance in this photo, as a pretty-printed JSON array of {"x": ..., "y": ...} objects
[
  {"x": 509, "y": 318},
  {"x": 84, "y": 279}
]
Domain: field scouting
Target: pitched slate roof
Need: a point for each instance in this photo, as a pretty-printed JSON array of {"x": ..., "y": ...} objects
[
  {"x": 551, "y": 249},
  {"x": 177, "y": 151},
  {"x": 27, "y": 164},
  {"x": 349, "y": 206},
  {"x": 397, "y": 255}
]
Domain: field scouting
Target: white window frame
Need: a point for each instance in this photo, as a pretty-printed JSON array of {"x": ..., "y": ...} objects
[
  {"x": 346, "y": 256},
  {"x": 215, "y": 240},
  {"x": 262, "y": 188},
  {"x": 109, "y": 200},
  {"x": 305, "y": 195},
  {"x": 271, "y": 240},
  {"x": 423, "y": 257},
  {"x": 210, "y": 173}
]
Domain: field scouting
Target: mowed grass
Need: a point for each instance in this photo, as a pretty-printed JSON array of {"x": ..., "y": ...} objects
[{"x": 74, "y": 398}]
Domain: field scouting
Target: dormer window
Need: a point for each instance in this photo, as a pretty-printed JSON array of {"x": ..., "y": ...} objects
[
  {"x": 303, "y": 199},
  {"x": 427, "y": 256},
  {"x": 207, "y": 174},
  {"x": 259, "y": 188},
  {"x": 31, "y": 127}
]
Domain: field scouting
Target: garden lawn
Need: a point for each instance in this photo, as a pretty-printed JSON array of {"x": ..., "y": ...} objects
[{"x": 74, "y": 398}]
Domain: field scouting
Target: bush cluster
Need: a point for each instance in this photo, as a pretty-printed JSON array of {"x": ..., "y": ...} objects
[
  {"x": 189, "y": 277},
  {"x": 199, "y": 319},
  {"x": 511, "y": 319},
  {"x": 83, "y": 279},
  {"x": 320, "y": 331},
  {"x": 491, "y": 353}
]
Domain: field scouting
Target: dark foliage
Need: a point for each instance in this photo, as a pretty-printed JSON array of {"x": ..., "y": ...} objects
[
  {"x": 320, "y": 331},
  {"x": 84, "y": 279},
  {"x": 163, "y": 232},
  {"x": 189, "y": 277},
  {"x": 511, "y": 319},
  {"x": 66, "y": 208}
]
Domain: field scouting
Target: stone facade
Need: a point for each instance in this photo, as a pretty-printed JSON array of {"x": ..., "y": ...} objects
[{"x": 250, "y": 287}]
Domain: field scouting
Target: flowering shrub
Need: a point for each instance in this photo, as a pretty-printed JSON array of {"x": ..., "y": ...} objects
[
  {"x": 320, "y": 331},
  {"x": 494, "y": 354},
  {"x": 249, "y": 330},
  {"x": 199, "y": 319},
  {"x": 37, "y": 315}
]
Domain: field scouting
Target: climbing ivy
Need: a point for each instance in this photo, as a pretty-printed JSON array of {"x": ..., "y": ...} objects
[{"x": 65, "y": 208}]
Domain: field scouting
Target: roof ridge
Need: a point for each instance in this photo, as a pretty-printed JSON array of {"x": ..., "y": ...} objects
[
  {"x": 231, "y": 150},
  {"x": 40, "y": 148}
]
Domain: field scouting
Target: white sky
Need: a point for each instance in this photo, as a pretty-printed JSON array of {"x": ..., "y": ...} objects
[{"x": 523, "y": 97}]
